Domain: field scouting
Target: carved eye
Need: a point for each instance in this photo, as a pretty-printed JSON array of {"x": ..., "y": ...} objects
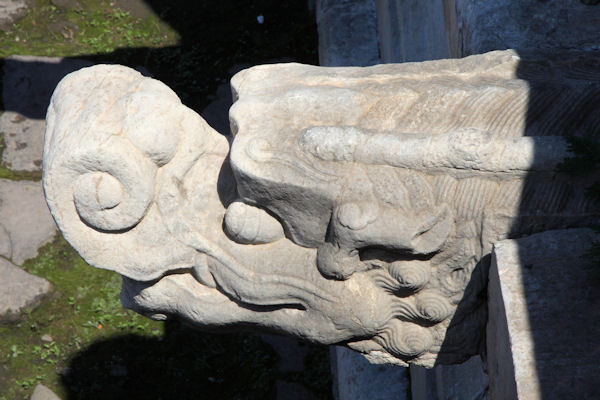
[{"x": 115, "y": 185}]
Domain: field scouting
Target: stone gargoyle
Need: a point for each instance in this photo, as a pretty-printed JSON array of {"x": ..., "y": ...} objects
[{"x": 355, "y": 206}]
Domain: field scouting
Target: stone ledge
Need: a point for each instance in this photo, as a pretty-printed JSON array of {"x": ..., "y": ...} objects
[{"x": 543, "y": 336}]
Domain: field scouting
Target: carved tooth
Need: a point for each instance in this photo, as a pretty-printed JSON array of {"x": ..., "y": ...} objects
[
  {"x": 411, "y": 275},
  {"x": 251, "y": 225},
  {"x": 433, "y": 306}
]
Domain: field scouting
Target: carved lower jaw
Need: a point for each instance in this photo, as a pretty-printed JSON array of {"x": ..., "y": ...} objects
[{"x": 182, "y": 296}]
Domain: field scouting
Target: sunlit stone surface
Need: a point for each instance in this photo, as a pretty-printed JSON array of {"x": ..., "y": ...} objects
[{"x": 355, "y": 206}]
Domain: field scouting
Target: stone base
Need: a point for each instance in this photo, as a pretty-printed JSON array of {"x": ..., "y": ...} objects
[
  {"x": 543, "y": 336},
  {"x": 466, "y": 381},
  {"x": 356, "y": 379}
]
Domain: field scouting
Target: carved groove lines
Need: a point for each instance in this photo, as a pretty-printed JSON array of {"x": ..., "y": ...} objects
[
  {"x": 471, "y": 109},
  {"x": 507, "y": 120},
  {"x": 508, "y": 196},
  {"x": 546, "y": 196}
]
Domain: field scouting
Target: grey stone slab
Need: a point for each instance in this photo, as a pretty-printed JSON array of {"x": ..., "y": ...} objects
[
  {"x": 11, "y": 11},
  {"x": 347, "y": 33},
  {"x": 543, "y": 336},
  {"x": 25, "y": 222},
  {"x": 411, "y": 30},
  {"x": 19, "y": 290},
  {"x": 23, "y": 141},
  {"x": 357, "y": 379},
  {"x": 526, "y": 25},
  {"x": 466, "y": 381},
  {"x": 42, "y": 392},
  {"x": 28, "y": 83},
  {"x": 30, "y": 80}
]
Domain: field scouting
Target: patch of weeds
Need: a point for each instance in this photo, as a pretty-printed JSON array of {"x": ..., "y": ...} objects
[{"x": 95, "y": 27}]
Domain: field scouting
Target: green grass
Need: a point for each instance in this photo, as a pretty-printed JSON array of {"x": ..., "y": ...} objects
[{"x": 94, "y": 27}]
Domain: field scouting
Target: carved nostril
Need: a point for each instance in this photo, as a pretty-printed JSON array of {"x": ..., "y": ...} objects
[
  {"x": 337, "y": 263},
  {"x": 356, "y": 216}
]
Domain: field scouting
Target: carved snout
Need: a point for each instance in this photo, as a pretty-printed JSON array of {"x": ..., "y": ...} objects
[{"x": 391, "y": 229}]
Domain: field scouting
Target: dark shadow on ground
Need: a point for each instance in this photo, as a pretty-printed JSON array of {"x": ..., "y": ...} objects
[
  {"x": 217, "y": 37},
  {"x": 185, "y": 363},
  {"x": 182, "y": 364}
]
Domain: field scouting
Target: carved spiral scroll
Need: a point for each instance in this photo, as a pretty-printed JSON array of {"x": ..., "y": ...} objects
[
  {"x": 114, "y": 189},
  {"x": 412, "y": 275},
  {"x": 405, "y": 340},
  {"x": 433, "y": 306}
]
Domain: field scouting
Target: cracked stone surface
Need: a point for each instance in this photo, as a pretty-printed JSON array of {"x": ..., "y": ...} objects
[
  {"x": 19, "y": 290},
  {"x": 25, "y": 222}
]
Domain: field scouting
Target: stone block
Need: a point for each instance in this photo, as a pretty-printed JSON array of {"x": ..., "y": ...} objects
[
  {"x": 356, "y": 379},
  {"x": 347, "y": 33},
  {"x": 411, "y": 30},
  {"x": 25, "y": 221},
  {"x": 543, "y": 336},
  {"x": 42, "y": 392},
  {"x": 10, "y": 12},
  {"x": 526, "y": 26},
  {"x": 19, "y": 290},
  {"x": 466, "y": 381}
]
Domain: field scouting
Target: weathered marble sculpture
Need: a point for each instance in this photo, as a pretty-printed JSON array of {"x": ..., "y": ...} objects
[{"x": 355, "y": 206}]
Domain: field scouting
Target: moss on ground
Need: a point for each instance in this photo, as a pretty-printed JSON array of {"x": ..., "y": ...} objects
[
  {"x": 88, "y": 27},
  {"x": 98, "y": 349}
]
